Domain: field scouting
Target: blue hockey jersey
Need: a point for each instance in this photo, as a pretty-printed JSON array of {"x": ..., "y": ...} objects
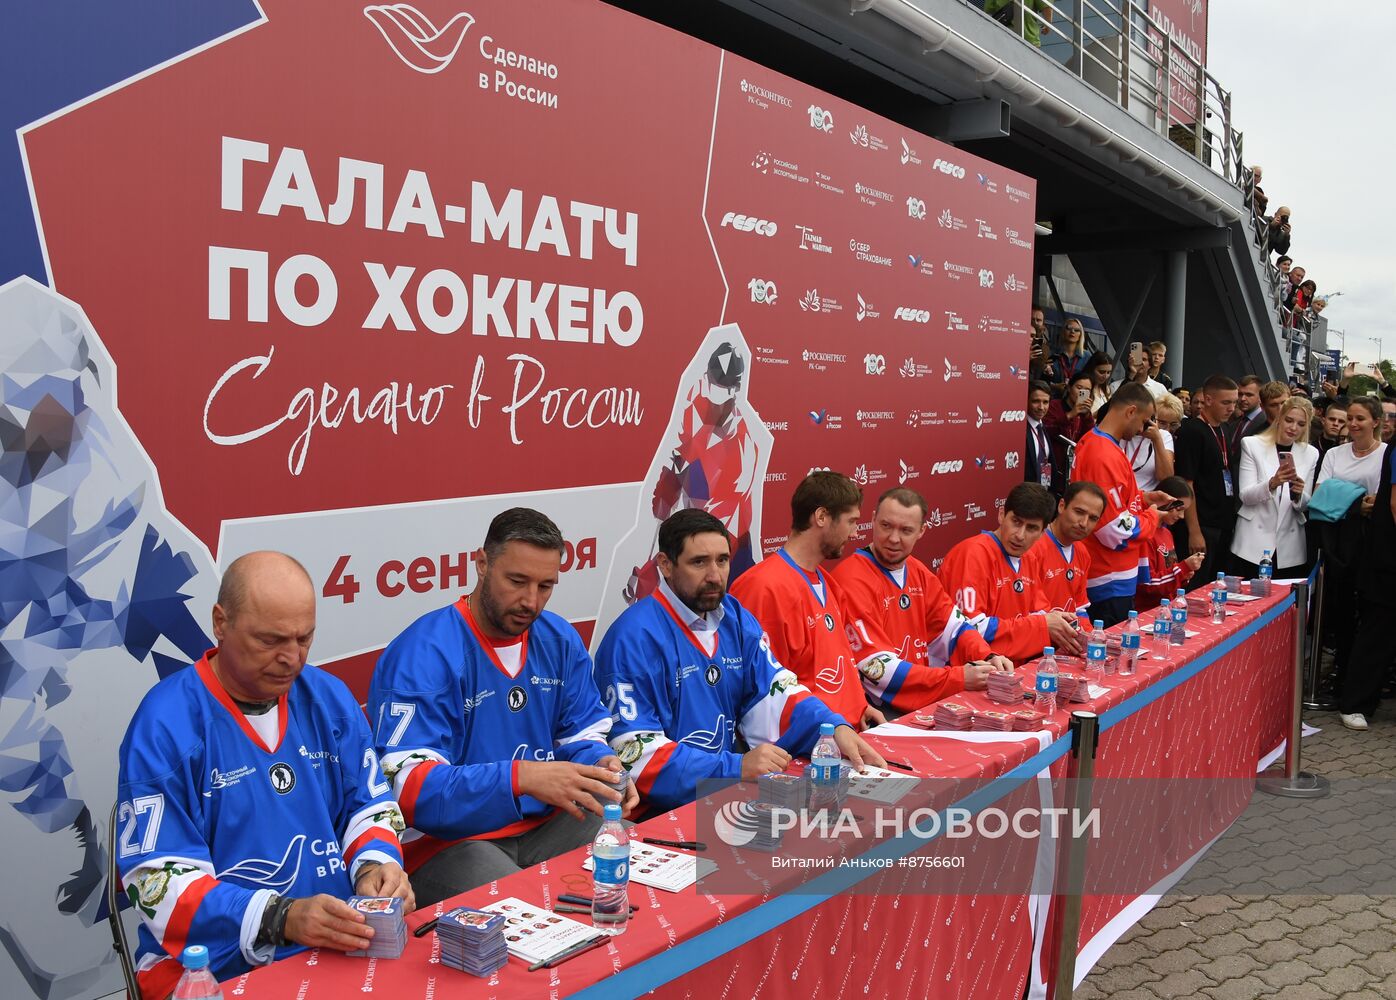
[
  {"x": 676, "y": 708},
  {"x": 453, "y": 725},
  {"x": 211, "y": 821}
]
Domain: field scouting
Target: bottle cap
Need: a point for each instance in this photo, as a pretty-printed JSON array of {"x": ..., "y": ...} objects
[
  {"x": 611, "y": 811},
  {"x": 826, "y": 729},
  {"x": 1182, "y": 592},
  {"x": 1221, "y": 577},
  {"x": 1098, "y": 623},
  {"x": 194, "y": 957},
  {"x": 1049, "y": 651},
  {"x": 1134, "y": 614}
]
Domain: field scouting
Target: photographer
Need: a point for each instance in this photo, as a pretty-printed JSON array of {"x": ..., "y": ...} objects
[
  {"x": 1137, "y": 370},
  {"x": 1040, "y": 366},
  {"x": 1151, "y": 453},
  {"x": 1279, "y": 231},
  {"x": 1069, "y": 416}
]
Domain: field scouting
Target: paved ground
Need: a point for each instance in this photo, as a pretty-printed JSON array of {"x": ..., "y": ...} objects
[{"x": 1260, "y": 938}]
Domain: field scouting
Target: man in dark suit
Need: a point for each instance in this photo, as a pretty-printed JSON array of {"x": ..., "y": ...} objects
[{"x": 1042, "y": 460}]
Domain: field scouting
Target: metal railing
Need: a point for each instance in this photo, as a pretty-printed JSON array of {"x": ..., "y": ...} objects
[
  {"x": 1295, "y": 326},
  {"x": 1121, "y": 50}
]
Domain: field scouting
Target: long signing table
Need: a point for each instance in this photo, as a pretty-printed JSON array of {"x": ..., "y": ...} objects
[{"x": 1210, "y": 713}]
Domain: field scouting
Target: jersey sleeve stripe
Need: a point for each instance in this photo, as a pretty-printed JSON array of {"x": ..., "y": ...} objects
[
  {"x": 596, "y": 732},
  {"x": 766, "y": 720},
  {"x": 796, "y": 696},
  {"x": 381, "y": 835},
  {"x": 647, "y": 769},
  {"x": 377, "y": 814},
  {"x": 160, "y": 979},
  {"x": 177, "y": 929},
  {"x": 412, "y": 788}
]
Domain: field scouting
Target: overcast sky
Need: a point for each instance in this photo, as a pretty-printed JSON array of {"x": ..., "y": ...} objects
[{"x": 1311, "y": 89}]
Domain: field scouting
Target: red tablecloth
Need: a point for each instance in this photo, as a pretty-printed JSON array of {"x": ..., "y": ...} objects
[{"x": 1211, "y": 712}]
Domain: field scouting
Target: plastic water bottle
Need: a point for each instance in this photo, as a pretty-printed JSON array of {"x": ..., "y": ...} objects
[
  {"x": 197, "y": 983},
  {"x": 1267, "y": 571},
  {"x": 826, "y": 765},
  {"x": 1129, "y": 646},
  {"x": 610, "y": 877},
  {"x": 1095, "y": 648},
  {"x": 1219, "y": 600},
  {"x": 1045, "y": 687},
  {"x": 1178, "y": 631},
  {"x": 1163, "y": 627}
]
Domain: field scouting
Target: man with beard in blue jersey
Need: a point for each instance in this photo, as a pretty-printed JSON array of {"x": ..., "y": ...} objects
[
  {"x": 490, "y": 726},
  {"x": 690, "y": 679}
]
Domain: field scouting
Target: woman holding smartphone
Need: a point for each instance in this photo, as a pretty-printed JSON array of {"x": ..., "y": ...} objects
[
  {"x": 1274, "y": 483},
  {"x": 1070, "y": 416},
  {"x": 1100, "y": 367}
]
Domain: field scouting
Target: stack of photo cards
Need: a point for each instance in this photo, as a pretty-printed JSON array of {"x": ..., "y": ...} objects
[
  {"x": 384, "y": 914},
  {"x": 472, "y": 941}
]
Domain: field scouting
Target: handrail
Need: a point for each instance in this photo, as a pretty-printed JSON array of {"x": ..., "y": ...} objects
[
  {"x": 1123, "y": 50},
  {"x": 990, "y": 67}
]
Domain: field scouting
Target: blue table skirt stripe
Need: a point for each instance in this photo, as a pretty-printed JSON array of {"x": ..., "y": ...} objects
[{"x": 685, "y": 956}]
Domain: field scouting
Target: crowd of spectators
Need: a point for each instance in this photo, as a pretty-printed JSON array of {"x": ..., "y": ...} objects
[
  {"x": 1296, "y": 294},
  {"x": 1217, "y": 478}
]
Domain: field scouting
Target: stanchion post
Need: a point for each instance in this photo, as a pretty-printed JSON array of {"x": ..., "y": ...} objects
[
  {"x": 1311, "y": 699},
  {"x": 1085, "y": 731},
  {"x": 1290, "y": 780}
]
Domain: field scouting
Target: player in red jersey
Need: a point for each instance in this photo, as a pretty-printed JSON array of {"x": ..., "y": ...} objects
[
  {"x": 842, "y": 658},
  {"x": 989, "y": 575},
  {"x": 885, "y": 583},
  {"x": 1059, "y": 563},
  {"x": 1116, "y": 547}
]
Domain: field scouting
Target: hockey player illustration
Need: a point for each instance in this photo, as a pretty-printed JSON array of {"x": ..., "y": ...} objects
[
  {"x": 99, "y": 587},
  {"x": 713, "y": 455}
]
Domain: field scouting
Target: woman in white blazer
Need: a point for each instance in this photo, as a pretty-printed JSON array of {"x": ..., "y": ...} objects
[{"x": 1274, "y": 482}]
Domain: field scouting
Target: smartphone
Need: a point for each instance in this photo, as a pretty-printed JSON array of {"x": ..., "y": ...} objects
[
  {"x": 1083, "y": 394},
  {"x": 1287, "y": 459},
  {"x": 1136, "y": 351}
]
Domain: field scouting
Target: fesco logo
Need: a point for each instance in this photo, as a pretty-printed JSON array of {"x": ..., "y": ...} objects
[
  {"x": 912, "y": 315},
  {"x": 749, "y": 224},
  {"x": 946, "y": 167},
  {"x": 950, "y": 465},
  {"x": 1009, "y": 415}
]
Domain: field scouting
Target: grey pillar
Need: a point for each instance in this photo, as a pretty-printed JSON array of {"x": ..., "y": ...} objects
[{"x": 1175, "y": 303}]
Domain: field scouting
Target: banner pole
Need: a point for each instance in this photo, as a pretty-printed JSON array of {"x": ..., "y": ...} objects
[
  {"x": 1085, "y": 731},
  {"x": 1289, "y": 780},
  {"x": 1311, "y": 698}
]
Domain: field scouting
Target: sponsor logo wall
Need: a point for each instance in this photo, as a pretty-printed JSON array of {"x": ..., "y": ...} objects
[{"x": 363, "y": 286}]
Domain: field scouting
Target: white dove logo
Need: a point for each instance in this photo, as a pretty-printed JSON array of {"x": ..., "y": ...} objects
[
  {"x": 711, "y": 739},
  {"x": 419, "y": 43},
  {"x": 272, "y": 874}
]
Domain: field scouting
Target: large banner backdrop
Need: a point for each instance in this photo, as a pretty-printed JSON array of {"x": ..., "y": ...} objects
[{"x": 347, "y": 281}]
